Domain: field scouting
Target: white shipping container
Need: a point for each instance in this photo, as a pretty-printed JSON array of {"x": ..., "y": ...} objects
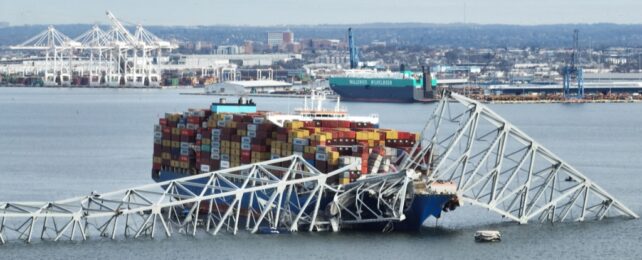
[
  {"x": 205, "y": 168},
  {"x": 300, "y": 141},
  {"x": 225, "y": 164},
  {"x": 258, "y": 120}
]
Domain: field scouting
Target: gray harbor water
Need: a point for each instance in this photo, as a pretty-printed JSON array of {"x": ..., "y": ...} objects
[{"x": 59, "y": 143}]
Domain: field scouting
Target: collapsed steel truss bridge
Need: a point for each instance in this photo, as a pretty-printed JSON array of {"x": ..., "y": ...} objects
[{"x": 495, "y": 165}]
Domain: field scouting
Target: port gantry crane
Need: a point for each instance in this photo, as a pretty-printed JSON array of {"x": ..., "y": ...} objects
[
  {"x": 573, "y": 69},
  {"x": 58, "y": 49},
  {"x": 352, "y": 47},
  {"x": 93, "y": 43},
  {"x": 111, "y": 58}
]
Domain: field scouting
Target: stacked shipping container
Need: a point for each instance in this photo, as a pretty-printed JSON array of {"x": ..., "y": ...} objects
[{"x": 202, "y": 141}]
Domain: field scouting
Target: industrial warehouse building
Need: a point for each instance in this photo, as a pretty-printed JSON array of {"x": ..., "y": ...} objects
[{"x": 245, "y": 87}]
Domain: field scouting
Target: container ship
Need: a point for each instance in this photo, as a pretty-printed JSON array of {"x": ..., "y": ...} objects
[
  {"x": 378, "y": 86},
  {"x": 227, "y": 135}
]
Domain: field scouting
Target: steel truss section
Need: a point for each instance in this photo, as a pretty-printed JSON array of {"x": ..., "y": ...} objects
[
  {"x": 499, "y": 167},
  {"x": 281, "y": 193},
  {"x": 382, "y": 198}
]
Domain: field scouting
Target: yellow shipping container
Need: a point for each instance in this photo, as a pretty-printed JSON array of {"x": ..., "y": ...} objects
[
  {"x": 166, "y": 156},
  {"x": 167, "y": 143},
  {"x": 392, "y": 134},
  {"x": 176, "y": 144},
  {"x": 333, "y": 161}
]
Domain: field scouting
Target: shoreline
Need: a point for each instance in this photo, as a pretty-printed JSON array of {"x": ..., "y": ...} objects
[
  {"x": 330, "y": 97},
  {"x": 100, "y": 87},
  {"x": 553, "y": 101}
]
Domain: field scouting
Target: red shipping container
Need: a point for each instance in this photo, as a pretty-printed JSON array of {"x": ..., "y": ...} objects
[
  {"x": 206, "y": 133},
  {"x": 157, "y": 149},
  {"x": 188, "y": 132},
  {"x": 259, "y": 148},
  {"x": 215, "y": 165}
]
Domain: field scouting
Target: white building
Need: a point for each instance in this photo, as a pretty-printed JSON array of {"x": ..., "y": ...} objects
[
  {"x": 275, "y": 38},
  {"x": 246, "y": 87}
]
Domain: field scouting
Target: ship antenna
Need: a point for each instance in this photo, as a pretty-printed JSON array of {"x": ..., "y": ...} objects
[
  {"x": 320, "y": 102},
  {"x": 305, "y": 103}
]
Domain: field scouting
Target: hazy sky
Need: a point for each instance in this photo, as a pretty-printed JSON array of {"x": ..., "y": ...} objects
[{"x": 276, "y": 12}]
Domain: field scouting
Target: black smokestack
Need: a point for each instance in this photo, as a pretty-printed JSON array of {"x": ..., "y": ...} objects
[{"x": 427, "y": 79}]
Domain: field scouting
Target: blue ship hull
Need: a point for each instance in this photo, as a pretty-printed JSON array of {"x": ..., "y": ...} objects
[
  {"x": 422, "y": 207},
  {"x": 375, "y": 93}
]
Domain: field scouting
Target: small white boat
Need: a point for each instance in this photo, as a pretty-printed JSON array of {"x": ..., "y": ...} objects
[{"x": 488, "y": 236}]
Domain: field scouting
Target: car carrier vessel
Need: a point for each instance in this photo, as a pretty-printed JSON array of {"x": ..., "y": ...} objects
[{"x": 384, "y": 86}]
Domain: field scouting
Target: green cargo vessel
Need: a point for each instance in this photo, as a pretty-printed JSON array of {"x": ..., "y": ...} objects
[{"x": 372, "y": 86}]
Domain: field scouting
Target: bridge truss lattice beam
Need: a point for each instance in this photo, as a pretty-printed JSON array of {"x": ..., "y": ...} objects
[
  {"x": 281, "y": 193},
  {"x": 499, "y": 167}
]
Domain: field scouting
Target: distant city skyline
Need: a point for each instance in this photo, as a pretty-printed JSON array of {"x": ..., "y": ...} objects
[{"x": 298, "y": 12}]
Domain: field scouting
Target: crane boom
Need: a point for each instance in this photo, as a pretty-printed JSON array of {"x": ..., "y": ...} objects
[{"x": 119, "y": 26}]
